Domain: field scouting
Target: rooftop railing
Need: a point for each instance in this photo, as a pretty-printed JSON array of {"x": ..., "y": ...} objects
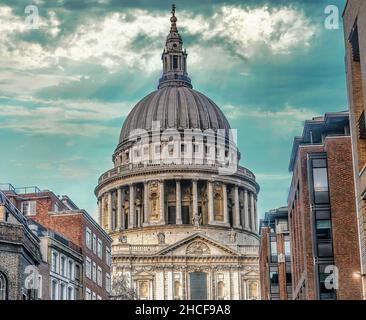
[{"x": 146, "y": 167}]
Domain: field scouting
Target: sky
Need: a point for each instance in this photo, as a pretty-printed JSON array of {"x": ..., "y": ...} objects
[{"x": 67, "y": 86}]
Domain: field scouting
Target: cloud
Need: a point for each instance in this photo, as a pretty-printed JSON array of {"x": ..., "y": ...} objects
[
  {"x": 284, "y": 122},
  {"x": 75, "y": 118},
  {"x": 111, "y": 39}
]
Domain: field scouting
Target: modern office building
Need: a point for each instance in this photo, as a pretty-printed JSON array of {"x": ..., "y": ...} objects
[
  {"x": 354, "y": 18},
  {"x": 322, "y": 212},
  {"x": 275, "y": 256}
]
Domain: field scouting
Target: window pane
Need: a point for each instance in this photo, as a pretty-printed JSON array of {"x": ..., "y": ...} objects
[
  {"x": 325, "y": 249},
  {"x": 320, "y": 179},
  {"x": 323, "y": 230},
  {"x": 322, "y": 215}
]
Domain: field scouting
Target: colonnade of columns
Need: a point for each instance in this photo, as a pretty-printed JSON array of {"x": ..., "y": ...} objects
[{"x": 114, "y": 216}]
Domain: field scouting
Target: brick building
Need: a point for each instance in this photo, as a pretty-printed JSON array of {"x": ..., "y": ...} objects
[
  {"x": 61, "y": 276},
  {"x": 322, "y": 211},
  {"x": 61, "y": 215},
  {"x": 354, "y": 18},
  {"x": 275, "y": 256},
  {"x": 19, "y": 249}
]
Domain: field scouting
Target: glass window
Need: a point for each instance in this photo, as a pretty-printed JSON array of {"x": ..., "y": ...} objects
[
  {"x": 54, "y": 290},
  {"x": 94, "y": 272},
  {"x": 108, "y": 282},
  {"x": 273, "y": 275},
  {"x": 88, "y": 268},
  {"x": 71, "y": 270},
  {"x": 273, "y": 249},
  {"x": 323, "y": 230},
  {"x": 63, "y": 266},
  {"x": 287, "y": 248},
  {"x": 108, "y": 256},
  {"x": 325, "y": 249},
  {"x": 70, "y": 293},
  {"x": 54, "y": 261},
  {"x": 62, "y": 291},
  {"x": 28, "y": 208},
  {"x": 322, "y": 214},
  {"x": 320, "y": 180},
  {"x": 94, "y": 243},
  {"x": 87, "y": 294},
  {"x": 88, "y": 238},
  {"x": 99, "y": 277},
  {"x": 77, "y": 272},
  {"x": 100, "y": 249}
]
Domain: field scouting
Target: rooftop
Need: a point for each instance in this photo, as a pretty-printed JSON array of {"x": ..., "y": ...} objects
[{"x": 316, "y": 129}]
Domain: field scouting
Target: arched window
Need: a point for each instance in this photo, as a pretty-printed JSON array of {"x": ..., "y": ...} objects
[{"x": 3, "y": 287}]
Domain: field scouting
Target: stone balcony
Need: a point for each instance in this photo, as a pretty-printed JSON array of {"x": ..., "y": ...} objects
[
  {"x": 146, "y": 168},
  {"x": 151, "y": 249}
]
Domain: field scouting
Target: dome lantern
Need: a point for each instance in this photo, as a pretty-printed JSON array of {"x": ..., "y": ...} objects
[{"x": 174, "y": 59}]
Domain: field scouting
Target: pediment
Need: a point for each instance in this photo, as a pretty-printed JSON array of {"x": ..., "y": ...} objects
[{"x": 198, "y": 245}]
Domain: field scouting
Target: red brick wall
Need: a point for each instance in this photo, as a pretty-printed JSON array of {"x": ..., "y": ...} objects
[
  {"x": 263, "y": 264},
  {"x": 344, "y": 220}
]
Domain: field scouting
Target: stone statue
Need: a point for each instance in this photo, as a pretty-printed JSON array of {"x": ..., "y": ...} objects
[
  {"x": 161, "y": 238},
  {"x": 197, "y": 220}
]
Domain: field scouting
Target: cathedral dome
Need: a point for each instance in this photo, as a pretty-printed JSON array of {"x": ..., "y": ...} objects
[{"x": 175, "y": 107}]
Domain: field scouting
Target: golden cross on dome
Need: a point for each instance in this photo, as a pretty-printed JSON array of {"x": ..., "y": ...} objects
[{"x": 173, "y": 9}]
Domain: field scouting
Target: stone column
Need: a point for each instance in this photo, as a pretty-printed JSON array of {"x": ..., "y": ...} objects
[
  {"x": 246, "y": 210},
  {"x": 236, "y": 211},
  {"x": 224, "y": 197},
  {"x": 178, "y": 200},
  {"x": 162, "y": 202},
  {"x": 146, "y": 204},
  {"x": 100, "y": 210},
  {"x": 195, "y": 200},
  {"x": 255, "y": 215},
  {"x": 110, "y": 212},
  {"x": 253, "y": 226},
  {"x": 131, "y": 220},
  {"x": 211, "y": 215},
  {"x": 119, "y": 208},
  {"x": 123, "y": 198}
]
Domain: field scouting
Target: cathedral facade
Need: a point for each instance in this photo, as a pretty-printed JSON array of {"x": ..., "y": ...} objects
[{"x": 181, "y": 211}]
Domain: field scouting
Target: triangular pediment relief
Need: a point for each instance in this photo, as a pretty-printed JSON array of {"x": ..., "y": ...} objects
[
  {"x": 143, "y": 274},
  {"x": 251, "y": 273},
  {"x": 198, "y": 245}
]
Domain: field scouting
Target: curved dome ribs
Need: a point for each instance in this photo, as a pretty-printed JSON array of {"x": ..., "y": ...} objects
[{"x": 175, "y": 108}]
